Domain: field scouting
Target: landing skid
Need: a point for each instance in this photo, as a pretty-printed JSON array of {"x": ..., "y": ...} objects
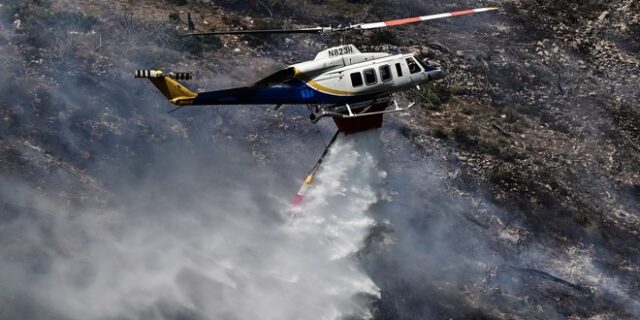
[
  {"x": 361, "y": 109},
  {"x": 357, "y": 117}
]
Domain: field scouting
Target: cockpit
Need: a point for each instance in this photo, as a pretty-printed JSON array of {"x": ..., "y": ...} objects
[
  {"x": 413, "y": 66},
  {"x": 431, "y": 70}
]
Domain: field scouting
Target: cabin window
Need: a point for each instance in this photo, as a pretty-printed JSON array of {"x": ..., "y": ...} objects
[
  {"x": 385, "y": 73},
  {"x": 370, "y": 76},
  {"x": 413, "y": 66},
  {"x": 356, "y": 79},
  {"x": 399, "y": 69}
]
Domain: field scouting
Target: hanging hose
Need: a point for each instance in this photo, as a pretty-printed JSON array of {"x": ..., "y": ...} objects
[{"x": 307, "y": 182}]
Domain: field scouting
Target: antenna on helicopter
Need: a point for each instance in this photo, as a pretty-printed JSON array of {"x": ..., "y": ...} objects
[{"x": 191, "y": 25}]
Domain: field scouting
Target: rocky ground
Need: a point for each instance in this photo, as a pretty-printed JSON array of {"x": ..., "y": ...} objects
[
  {"x": 535, "y": 133},
  {"x": 540, "y": 115}
]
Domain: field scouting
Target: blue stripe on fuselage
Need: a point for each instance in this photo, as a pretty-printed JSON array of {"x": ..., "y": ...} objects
[{"x": 294, "y": 92}]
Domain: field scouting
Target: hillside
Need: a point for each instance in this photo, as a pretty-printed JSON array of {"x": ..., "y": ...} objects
[{"x": 512, "y": 191}]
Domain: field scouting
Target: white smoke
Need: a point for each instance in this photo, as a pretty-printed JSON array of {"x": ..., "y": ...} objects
[{"x": 220, "y": 254}]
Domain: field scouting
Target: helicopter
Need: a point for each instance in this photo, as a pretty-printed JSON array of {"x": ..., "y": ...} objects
[{"x": 353, "y": 88}]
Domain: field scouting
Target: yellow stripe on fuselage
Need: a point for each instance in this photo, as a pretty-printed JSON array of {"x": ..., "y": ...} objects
[{"x": 315, "y": 85}]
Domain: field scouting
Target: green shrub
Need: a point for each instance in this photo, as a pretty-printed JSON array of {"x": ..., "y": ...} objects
[
  {"x": 43, "y": 27},
  {"x": 67, "y": 20},
  {"x": 582, "y": 219},
  {"x": 436, "y": 93},
  {"x": 441, "y": 133},
  {"x": 178, "y": 2},
  {"x": 560, "y": 126},
  {"x": 466, "y": 135},
  {"x": 174, "y": 17},
  {"x": 168, "y": 37}
]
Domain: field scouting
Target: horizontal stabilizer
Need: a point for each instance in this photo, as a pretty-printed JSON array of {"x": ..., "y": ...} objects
[{"x": 159, "y": 74}]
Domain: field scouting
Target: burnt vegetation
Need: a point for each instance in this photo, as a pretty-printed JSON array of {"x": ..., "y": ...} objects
[{"x": 538, "y": 117}]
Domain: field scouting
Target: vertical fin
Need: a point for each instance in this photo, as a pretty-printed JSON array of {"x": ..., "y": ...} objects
[{"x": 173, "y": 90}]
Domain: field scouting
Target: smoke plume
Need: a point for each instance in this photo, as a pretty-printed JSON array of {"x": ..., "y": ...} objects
[{"x": 200, "y": 241}]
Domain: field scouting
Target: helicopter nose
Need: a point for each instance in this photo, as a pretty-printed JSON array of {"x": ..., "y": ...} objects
[{"x": 436, "y": 74}]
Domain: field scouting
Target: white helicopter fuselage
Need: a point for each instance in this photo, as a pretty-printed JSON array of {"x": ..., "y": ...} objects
[
  {"x": 345, "y": 71},
  {"x": 341, "y": 82}
]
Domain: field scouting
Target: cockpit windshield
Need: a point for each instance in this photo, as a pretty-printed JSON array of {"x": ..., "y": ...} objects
[
  {"x": 413, "y": 66},
  {"x": 423, "y": 62}
]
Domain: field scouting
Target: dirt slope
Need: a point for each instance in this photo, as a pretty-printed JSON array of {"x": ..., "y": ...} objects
[{"x": 536, "y": 133}]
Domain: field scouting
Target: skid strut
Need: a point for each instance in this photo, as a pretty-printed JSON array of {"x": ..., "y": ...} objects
[{"x": 354, "y": 111}]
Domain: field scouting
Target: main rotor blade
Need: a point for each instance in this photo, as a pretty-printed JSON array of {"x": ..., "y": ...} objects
[
  {"x": 302, "y": 30},
  {"x": 360, "y": 26},
  {"x": 397, "y": 22}
]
